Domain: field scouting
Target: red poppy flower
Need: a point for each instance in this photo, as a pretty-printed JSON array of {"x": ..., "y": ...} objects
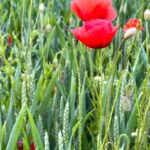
[
  {"x": 32, "y": 147},
  {"x": 9, "y": 41},
  {"x": 20, "y": 145},
  {"x": 96, "y": 33},
  {"x": 133, "y": 23},
  {"x": 93, "y": 9}
]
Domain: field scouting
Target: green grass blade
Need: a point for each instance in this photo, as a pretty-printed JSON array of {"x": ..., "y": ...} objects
[
  {"x": 16, "y": 130},
  {"x": 37, "y": 95},
  {"x": 36, "y": 138}
]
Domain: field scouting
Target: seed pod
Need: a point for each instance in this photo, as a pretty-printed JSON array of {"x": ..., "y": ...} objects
[
  {"x": 41, "y": 7},
  {"x": 147, "y": 14}
]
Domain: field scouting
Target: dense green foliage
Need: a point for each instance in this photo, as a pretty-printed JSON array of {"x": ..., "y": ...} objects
[{"x": 61, "y": 95}]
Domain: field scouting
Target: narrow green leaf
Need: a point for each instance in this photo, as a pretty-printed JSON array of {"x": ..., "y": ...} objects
[
  {"x": 16, "y": 130},
  {"x": 25, "y": 141},
  {"x": 37, "y": 95},
  {"x": 36, "y": 138},
  {"x": 73, "y": 133},
  {"x": 50, "y": 38},
  {"x": 72, "y": 95},
  {"x": 88, "y": 115},
  {"x": 61, "y": 88},
  {"x": 75, "y": 129},
  {"x": 10, "y": 117},
  {"x": 61, "y": 34},
  {"x": 48, "y": 92},
  {"x": 132, "y": 121},
  {"x": 2, "y": 137}
]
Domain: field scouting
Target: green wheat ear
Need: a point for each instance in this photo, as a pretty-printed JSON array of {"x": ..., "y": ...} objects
[
  {"x": 66, "y": 125},
  {"x": 56, "y": 132},
  {"x": 121, "y": 111},
  {"x": 46, "y": 141},
  {"x": 24, "y": 94},
  {"x": 24, "y": 97},
  {"x": 61, "y": 111},
  {"x": 40, "y": 127},
  {"x": 54, "y": 105},
  {"x": 60, "y": 141},
  {"x": 32, "y": 88},
  {"x": 116, "y": 130},
  {"x": 142, "y": 135},
  {"x": 82, "y": 68}
]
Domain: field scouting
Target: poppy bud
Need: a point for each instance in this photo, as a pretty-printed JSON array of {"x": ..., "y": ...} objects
[
  {"x": 32, "y": 146},
  {"x": 130, "y": 32},
  {"x": 134, "y": 134},
  {"x": 9, "y": 41},
  {"x": 147, "y": 14},
  {"x": 48, "y": 28},
  {"x": 20, "y": 145},
  {"x": 126, "y": 103},
  {"x": 129, "y": 90},
  {"x": 41, "y": 7},
  {"x": 99, "y": 79},
  {"x": 54, "y": 89}
]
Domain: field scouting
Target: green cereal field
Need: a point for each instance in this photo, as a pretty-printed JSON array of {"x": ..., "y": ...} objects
[{"x": 74, "y": 74}]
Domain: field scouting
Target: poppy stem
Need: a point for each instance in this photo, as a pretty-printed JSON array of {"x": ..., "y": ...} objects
[
  {"x": 80, "y": 101},
  {"x": 119, "y": 47},
  {"x": 147, "y": 44},
  {"x": 122, "y": 59},
  {"x": 115, "y": 59},
  {"x": 122, "y": 54}
]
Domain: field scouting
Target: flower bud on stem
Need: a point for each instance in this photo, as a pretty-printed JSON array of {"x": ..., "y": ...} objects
[{"x": 129, "y": 33}]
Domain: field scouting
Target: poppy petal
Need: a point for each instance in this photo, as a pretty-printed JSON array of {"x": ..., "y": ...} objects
[
  {"x": 89, "y": 9},
  {"x": 96, "y": 33}
]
